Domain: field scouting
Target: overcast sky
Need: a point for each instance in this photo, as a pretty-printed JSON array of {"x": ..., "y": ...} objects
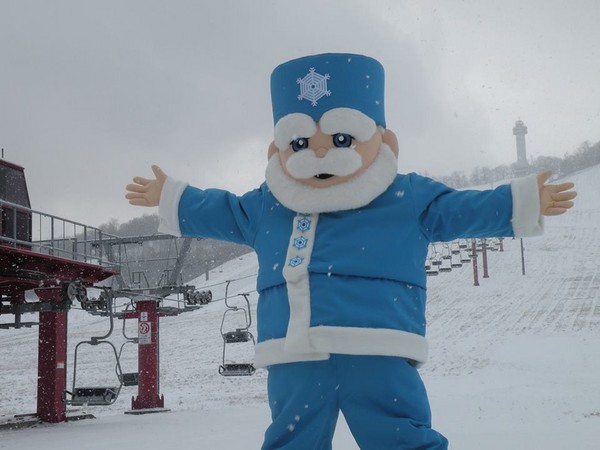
[{"x": 94, "y": 92}]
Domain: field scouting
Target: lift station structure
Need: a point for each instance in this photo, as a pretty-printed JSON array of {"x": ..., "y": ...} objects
[{"x": 46, "y": 264}]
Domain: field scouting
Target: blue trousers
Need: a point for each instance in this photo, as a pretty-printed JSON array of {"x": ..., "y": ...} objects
[{"x": 382, "y": 398}]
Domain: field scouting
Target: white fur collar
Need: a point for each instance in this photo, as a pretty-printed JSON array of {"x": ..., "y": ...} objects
[{"x": 352, "y": 194}]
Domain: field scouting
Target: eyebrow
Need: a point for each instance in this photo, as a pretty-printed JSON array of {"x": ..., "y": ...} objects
[
  {"x": 291, "y": 127},
  {"x": 346, "y": 120}
]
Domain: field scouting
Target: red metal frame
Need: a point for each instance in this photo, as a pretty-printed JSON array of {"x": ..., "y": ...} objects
[
  {"x": 52, "y": 359},
  {"x": 22, "y": 269}
]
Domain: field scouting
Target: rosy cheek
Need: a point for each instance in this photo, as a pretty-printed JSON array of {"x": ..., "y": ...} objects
[{"x": 284, "y": 156}]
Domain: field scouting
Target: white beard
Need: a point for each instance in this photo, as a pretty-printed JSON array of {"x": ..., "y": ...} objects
[{"x": 355, "y": 193}]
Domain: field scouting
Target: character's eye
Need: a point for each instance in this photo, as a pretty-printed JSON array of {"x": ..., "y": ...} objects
[
  {"x": 299, "y": 144},
  {"x": 342, "y": 140}
]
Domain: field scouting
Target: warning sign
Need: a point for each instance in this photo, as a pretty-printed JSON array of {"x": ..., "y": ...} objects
[{"x": 144, "y": 333}]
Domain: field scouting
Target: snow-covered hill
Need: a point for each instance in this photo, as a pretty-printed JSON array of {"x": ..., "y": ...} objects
[{"x": 514, "y": 362}]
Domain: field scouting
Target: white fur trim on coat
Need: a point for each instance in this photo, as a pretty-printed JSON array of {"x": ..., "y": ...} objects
[
  {"x": 527, "y": 219},
  {"x": 370, "y": 341},
  {"x": 325, "y": 340},
  {"x": 168, "y": 208},
  {"x": 355, "y": 193},
  {"x": 295, "y": 273}
]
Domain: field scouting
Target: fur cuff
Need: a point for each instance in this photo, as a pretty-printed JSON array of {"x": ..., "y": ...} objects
[
  {"x": 168, "y": 208},
  {"x": 527, "y": 220}
]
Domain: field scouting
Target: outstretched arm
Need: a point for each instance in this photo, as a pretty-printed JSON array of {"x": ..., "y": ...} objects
[
  {"x": 146, "y": 192},
  {"x": 555, "y": 199}
]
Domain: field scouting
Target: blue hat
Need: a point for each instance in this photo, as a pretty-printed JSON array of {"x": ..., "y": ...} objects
[{"x": 316, "y": 84}]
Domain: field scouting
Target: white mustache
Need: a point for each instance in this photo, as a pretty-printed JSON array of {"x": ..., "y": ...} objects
[{"x": 337, "y": 161}]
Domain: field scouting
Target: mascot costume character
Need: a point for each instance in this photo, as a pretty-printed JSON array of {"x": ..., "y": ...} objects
[{"x": 341, "y": 240}]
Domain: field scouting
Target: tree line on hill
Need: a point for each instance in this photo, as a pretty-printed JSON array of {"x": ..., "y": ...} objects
[{"x": 586, "y": 155}]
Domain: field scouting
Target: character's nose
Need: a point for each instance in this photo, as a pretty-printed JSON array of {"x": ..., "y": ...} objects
[
  {"x": 320, "y": 143},
  {"x": 321, "y": 152}
]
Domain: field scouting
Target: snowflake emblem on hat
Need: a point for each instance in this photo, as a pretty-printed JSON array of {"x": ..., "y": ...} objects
[{"x": 313, "y": 86}]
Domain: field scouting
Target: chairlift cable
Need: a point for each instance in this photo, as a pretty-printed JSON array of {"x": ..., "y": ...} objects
[{"x": 227, "y": 281}]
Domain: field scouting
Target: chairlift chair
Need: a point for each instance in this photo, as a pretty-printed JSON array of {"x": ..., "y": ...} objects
[
  {"x": 494, "y": 245},
  {"x": 456, "y": 262},
  {"x": 96, "y": 395},
  {"x": 239, "y": 335},
  {"x": 446, "y": 252},
  {"x": 455, "y": 248},
  {"x": 236, "y": 370},
  {"x": 464, "y": 257},
  {"x": 434, "y": 256},
  {"x": 431, "y": 262},
  {"x": 445, "y": 267},
  {"x": 430, "y": 270},
  {"x": 126, "y": 378}
]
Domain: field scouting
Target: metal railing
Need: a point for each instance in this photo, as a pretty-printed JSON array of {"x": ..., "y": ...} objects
[{"x": 51, "y": 235}]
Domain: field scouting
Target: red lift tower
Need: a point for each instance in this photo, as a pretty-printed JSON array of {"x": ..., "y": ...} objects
[
  {"x": 147, "y": 307},
  {"x": 58, "y": 259},
  {"x": 52, "y": 257}
]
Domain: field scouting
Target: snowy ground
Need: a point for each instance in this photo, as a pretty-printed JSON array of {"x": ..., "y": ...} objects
[{"x": 514, "y": 363}]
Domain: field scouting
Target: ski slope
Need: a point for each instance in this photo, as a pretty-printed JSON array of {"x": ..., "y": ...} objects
[{"x": 514, "y": 363}]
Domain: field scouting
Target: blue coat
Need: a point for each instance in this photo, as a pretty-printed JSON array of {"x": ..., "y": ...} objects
[{"x": 350, "y": 282}]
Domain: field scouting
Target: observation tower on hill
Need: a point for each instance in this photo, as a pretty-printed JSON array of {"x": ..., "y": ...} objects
[{"x": 521, "y": 166}]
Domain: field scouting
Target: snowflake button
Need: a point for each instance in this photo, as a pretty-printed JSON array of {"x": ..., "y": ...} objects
[
  {"x": 300, "y": 242},
  {"x": 296, "y": 261},
  {"x": 304, "y": 224},
  {"x": 313, "y": 86}
]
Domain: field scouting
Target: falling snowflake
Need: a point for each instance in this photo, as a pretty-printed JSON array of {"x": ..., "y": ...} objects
[
  {"x": 313, "y": 86},
  {"x": 296, "y": 261},
  {"x": 300, "y": 242},
  {"x": 304, "y": 224}
]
